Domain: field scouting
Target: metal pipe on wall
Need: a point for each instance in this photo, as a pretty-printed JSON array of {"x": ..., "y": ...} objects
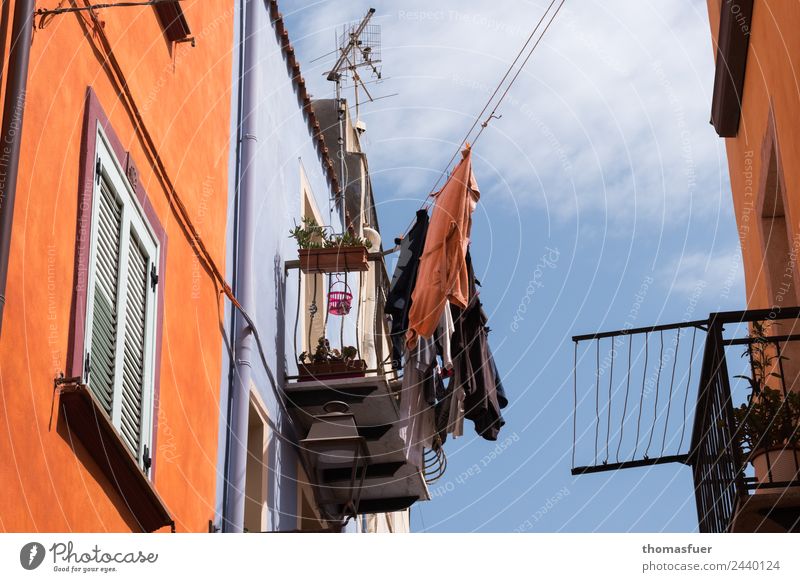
[
  {"x": 3, "y": 34},
  {"x": 11, "y": 136},
  {"x": 239, "y": 391}
]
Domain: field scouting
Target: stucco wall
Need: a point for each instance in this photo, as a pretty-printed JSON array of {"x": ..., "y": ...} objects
[
  {"x": 183, "y": 94},
  {"x": 771, "y": 85},
  {"x": 286, "y": 150}
]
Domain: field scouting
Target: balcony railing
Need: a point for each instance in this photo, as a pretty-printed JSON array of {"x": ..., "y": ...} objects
[
  {"x": 390, "y": 471},
  {"x": 356, "y": 328},
  {"x": 667, "y": 394}
]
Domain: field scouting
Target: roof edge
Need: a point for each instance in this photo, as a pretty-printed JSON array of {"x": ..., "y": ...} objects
[{"x": 299, "y": 84}]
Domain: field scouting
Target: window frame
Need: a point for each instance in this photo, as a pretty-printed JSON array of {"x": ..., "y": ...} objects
[
  {"x": 257, "y": 413},
  {"x": 307, "y": 282},
  {"x": 133, "y": 223},
  {"x": 95, "y": 118},
  {"x": 771, "y": 156}
]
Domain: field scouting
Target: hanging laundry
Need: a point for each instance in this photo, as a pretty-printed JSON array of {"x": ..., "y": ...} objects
[
  {"x": 398, "y": 301},
  {"x": 475, "y": 391},
  {"x": 444, "y": 334},
  {"x": 442, "y": 274},
  {"x": 449, "y": 412},
  {"x": 422, "y": 385}
]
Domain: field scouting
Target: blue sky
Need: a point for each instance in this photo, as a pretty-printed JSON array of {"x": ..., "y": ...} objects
[{"x": 605, "y": 163}]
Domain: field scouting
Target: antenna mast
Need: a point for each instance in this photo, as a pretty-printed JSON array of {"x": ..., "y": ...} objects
[{"x": 357, "y": 47}]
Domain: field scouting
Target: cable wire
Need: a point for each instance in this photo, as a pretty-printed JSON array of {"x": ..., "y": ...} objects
[
  {"x": 494, "y": 94},
  {"x": 44, "y": 12},
  {"x": 493, "y": 114}
]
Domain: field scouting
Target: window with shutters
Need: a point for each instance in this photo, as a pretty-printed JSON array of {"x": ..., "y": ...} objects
[{"x": 121, "y": 305}]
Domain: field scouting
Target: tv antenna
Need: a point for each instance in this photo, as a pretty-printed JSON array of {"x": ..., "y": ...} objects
[{"x": 358, "y": 46}]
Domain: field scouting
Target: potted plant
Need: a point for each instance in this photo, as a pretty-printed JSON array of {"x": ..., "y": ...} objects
[
  {"x": 767, "y": 427},
  {"x": 767, "y": 430},
  {"x": 320, "y": 252},
  {"x": 329, "y": 363}
]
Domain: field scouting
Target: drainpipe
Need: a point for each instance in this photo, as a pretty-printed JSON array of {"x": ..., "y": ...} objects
[
  {"x": 13, "y": 108},
  {"x": 3, "y": 34},
  {"x": 239, "y": 391}
]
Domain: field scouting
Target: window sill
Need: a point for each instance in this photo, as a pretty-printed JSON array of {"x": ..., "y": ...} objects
[{"x": 87, "y": 421}]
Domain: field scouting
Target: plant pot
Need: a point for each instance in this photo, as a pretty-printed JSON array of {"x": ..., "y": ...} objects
[
  {"x": 777, "y": 465},
  {"x": 332, "y": 370},
  {"x": 334, "y": 260}
]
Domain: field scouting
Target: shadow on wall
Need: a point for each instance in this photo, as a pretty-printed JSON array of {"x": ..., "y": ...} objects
[
  {"x": 280, "y": 315},
  {"x": 91, "y": 466}
]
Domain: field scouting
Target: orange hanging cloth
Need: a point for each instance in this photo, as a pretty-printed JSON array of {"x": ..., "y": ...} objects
[{"x": 442, "y": 274}]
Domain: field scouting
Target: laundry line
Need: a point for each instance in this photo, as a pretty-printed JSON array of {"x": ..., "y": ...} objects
[{"x": 493, "y": 114}]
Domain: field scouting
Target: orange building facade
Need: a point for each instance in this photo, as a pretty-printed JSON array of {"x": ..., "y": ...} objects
[
  {"x": 110, "y": 355},
  {"x": 756, "y": 107}
]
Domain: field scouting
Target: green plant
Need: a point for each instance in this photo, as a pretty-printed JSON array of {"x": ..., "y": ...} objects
[
  {"x": 311, "y": 235},
  {"x": 768, "y": 421},
  {"x": 347, "y": 240},
  {"x": 762, "y": 359},
  {"x": 323, "y": 354},
  {"x": 769, "y": 418}
]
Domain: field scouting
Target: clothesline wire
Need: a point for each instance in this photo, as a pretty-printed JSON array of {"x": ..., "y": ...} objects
[
  {"x": 493, "y": 114},
  {"x": 492, "y": 96}
]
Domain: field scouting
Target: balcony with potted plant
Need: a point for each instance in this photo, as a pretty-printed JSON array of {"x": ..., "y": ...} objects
[
  {"x": 680, "y": 393},
  {"x": 344, "y": 397},
  {"x": 322, "y": 252},
  {"x": 326, "y": 363}
]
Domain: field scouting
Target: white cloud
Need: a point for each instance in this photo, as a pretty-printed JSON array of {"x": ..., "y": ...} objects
[
  {"x": 609, "y": 119},
  {"x": 718, "y": 276}
]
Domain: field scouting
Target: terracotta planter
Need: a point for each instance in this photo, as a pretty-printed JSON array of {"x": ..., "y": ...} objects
[
  {"x": 777, "y": 465},
  {"x": 332, "y": 370},
  {"x": 334, "y": 260}
]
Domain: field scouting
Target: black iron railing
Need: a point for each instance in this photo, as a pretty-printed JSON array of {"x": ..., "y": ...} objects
[
  {"x": 360, "y": 327},
  {"x": 715, "y": 456},
  {"x": 368, "y": 330},
  {"x": 634, "y": 386},
  {"x": 642, "y": 383}
]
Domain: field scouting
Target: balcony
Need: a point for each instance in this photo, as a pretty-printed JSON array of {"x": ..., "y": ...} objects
[
  {"x": 353, "y": 412},
  {"x": 691, "y": 393}
]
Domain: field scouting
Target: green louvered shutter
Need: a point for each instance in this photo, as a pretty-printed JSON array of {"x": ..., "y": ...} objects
[
  {"x": 121, "y": 317},
  {"x": 136, "y": 289},
  {"x": 106, "y": 291}
]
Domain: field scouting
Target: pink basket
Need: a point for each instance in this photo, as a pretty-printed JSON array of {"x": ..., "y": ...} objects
[{"x": 339, "y": 302}]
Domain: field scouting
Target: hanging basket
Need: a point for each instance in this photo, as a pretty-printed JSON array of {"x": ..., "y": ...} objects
[{"x": 340, "y": 302}]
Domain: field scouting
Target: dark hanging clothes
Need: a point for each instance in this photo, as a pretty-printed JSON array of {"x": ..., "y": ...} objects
[
  {"x": 501, "y": 392},
  {"x": 449, "y": 412},
  {"x": 424, "y": 369},
  {"x": 474, "y": 367},
  {"x": 421, "y": 385},
  {"x": 398, "y": 301}
]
